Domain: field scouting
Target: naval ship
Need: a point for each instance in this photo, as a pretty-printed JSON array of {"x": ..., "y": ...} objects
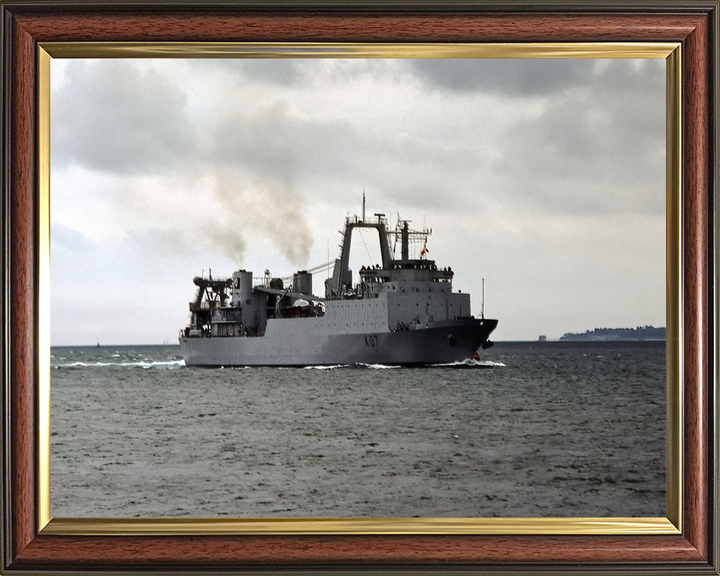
[{"x": 400, "y": 312}]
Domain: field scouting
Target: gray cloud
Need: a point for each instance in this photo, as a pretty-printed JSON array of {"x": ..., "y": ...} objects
[
  {"x": 271, "y": 138},
  {"x": 277, "y": 145},
  {"x": 115, "y": 118},
  {"x": 518, "y": 78},
  {"x": 280, "y": 72},
  {"x": 600, "y": 147},
  {"x": 266, "y": 141}
]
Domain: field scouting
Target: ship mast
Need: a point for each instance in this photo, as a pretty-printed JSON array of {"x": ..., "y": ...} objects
[
  {"x": 405, "y": 244},
  {"x": 482, "y": 306},
  {"x": 334, "y": 287}
]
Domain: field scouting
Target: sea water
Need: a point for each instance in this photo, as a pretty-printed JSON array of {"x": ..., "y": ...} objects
[{"x": 534, "y": 429}]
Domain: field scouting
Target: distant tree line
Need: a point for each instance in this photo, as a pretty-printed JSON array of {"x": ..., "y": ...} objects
[{"x": 639, "y": 333}]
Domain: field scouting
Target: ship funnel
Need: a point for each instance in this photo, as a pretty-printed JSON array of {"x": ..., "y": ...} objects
[
  {"x": 302, "y": 282},
  {"x": 242, "y": 288}
]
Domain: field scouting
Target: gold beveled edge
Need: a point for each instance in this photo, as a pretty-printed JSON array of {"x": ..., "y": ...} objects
[
  {"x": 354, "y": 50},
  {"x": 674, "y": 293},
  {"x": 589, "y": 526},
  {"x": 354, "y": 526},
  {"x": 43, "y": 276}
]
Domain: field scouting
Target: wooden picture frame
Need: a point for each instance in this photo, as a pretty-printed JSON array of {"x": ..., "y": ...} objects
[{"x": 31, "y": 545}]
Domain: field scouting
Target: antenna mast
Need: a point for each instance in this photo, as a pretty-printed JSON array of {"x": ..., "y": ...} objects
[
  {"x": 482, "y": 307},
  {"x": 363, "y": 204}
]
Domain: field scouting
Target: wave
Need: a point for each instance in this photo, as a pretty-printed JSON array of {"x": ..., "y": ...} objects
[
  {"x": 359, "y": 365},
  {"x": 460, "y": 364},
  {"x": 333, "y": 367},
  {"x": 470, "y": 364},
  {"x": 141, "y": 364}
]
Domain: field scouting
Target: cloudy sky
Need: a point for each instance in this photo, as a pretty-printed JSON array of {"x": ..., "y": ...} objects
[{"x": 545, "y": 177}]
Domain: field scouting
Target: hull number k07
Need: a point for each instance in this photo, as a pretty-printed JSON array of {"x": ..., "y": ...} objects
[{"x": 371, "y": 341}]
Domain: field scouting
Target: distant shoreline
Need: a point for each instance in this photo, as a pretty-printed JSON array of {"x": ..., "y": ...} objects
[{"x": 641, "y": 333}]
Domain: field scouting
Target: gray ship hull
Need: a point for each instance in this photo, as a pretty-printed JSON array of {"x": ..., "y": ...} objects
[{"x": 292, "y": 344}]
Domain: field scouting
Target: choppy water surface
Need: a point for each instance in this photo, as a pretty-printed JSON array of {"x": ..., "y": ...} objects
[{"x": 544, "y": 429}]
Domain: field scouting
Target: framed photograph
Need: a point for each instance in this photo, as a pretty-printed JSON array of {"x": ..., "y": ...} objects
[{"x": 182, "y": 133}]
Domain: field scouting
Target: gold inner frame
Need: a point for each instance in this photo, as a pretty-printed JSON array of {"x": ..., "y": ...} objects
[{"x": 671, "y": 52}]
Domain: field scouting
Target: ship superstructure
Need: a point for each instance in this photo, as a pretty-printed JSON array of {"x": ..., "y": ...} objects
[{"x": 397, "y": 312}]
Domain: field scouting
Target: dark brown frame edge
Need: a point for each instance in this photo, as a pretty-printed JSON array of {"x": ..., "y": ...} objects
[{"x": 25, "y": 23}]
